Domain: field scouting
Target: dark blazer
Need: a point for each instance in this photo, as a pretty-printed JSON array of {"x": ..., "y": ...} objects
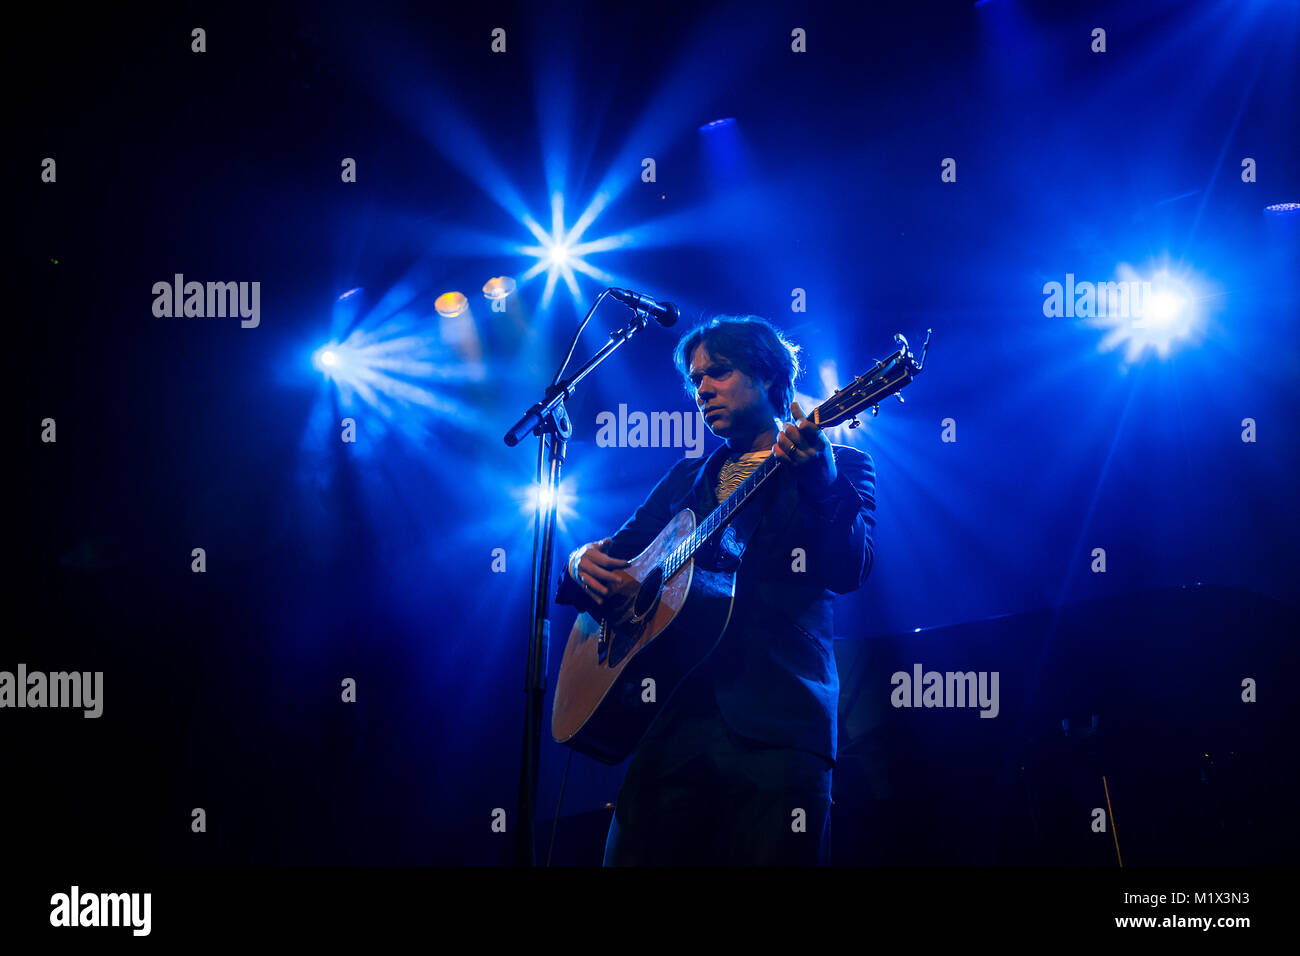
[{"x": 773, "y": 674}]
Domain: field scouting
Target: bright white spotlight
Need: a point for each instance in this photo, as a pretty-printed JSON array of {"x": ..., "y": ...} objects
[
  {"x": 1153, "y": 313},
  {"x": 1162, "y": 311},
  {"x": 327, "y": 358},
  {"x": 536, "y": 494},
  {"x": 561, "y": 253}
]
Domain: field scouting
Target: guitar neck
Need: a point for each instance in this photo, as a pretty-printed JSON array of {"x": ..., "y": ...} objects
[{"x": 721, "y": 516}]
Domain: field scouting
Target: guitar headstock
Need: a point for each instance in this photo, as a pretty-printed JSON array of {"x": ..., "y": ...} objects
[{"x": 887, "y": 377}]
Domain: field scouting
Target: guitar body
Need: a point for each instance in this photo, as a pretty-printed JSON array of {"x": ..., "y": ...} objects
[{"x": 660, "y": 630}]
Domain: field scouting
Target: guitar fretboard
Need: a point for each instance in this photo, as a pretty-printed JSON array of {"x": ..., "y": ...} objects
[{"x": 719, "y": 517}]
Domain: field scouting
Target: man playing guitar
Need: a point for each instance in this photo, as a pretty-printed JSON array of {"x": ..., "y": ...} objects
[{"x": 736, "y": 769}]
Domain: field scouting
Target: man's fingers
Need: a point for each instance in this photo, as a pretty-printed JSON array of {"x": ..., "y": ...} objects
[
  {"x": 597, "y": 572},
  {"x": 794, "y": 436},
  {"x": 591, "y": 577}
]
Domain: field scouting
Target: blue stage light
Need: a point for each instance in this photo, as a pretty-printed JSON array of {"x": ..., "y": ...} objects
[
  {"x": 536, "y": 494},
  {"x": 1156, "y": 313},
  {"x": 402, "y": 368},
  {"x": 717, "y": 123},
  {"x": 1163, "y": 311},
  {"x": 327, "y": 358},
  {"x": 560, "y": 253}
]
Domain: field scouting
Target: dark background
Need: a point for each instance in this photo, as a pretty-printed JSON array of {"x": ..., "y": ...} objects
[{"x": 372, "y": 560}]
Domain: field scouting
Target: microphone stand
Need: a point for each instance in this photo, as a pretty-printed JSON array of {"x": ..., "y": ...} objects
[{"x": 549, "y": 420}]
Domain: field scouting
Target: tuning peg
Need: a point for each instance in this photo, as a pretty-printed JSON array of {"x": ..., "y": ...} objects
[
  {"x": 875, "y": 410},
  {"x": 855, "y": 423},
  {"x": 899, "y": 396}
]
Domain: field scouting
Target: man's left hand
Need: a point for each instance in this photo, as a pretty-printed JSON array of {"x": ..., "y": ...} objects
[{"x": 802, "y": 444}]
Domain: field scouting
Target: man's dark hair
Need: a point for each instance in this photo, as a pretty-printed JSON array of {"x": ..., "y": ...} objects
[{"x": 751, "y": 344}]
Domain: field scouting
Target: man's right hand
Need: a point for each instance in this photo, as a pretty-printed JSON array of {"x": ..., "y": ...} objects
[{"x": 596, "y": 571}]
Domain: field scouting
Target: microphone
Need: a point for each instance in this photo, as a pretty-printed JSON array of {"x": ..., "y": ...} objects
[{"x": 665, "y": 313}]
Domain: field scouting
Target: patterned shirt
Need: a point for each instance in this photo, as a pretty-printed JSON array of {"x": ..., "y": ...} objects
[{"x": 735, "y": 470}]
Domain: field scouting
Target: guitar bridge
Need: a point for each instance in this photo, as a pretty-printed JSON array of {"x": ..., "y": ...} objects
[{"x": 602, "y": 642}]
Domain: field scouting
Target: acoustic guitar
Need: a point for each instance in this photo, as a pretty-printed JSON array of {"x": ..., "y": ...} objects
[{"x": 669, "y": 612}]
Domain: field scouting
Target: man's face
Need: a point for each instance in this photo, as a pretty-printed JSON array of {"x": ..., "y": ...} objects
[{"x": 733, "y": 403}]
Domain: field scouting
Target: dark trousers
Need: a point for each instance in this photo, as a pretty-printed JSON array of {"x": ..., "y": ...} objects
[{"x": 699, "y": 794}]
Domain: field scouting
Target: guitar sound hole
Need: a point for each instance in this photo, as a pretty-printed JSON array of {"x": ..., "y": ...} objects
[{"x": 649, "y": 593}]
